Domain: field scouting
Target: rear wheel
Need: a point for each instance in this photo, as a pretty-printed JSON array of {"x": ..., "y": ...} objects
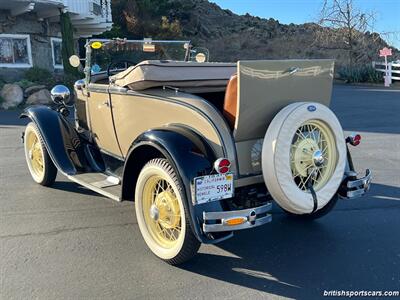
[
  {"x": 162, "y": 214},
  {"x": 40, "y": 165}
]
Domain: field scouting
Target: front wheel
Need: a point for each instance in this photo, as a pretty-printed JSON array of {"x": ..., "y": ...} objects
[
  {"x": 41, "y": 167},
  {"x": 162, "y": 213}
]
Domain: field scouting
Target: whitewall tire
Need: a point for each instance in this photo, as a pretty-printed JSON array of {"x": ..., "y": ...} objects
[
  {"x": 162, "y": 213},
  {"x": 304, "y": 148}
]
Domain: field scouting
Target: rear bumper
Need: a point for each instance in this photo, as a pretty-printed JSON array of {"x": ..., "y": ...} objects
[
  {"x": 252, "y": 217},
  {"x": 356, "y": 187}
]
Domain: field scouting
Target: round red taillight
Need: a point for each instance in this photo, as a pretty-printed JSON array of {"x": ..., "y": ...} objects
[
  {"x": 222, "y": 165},
  {"x": 356, "y": 140}
]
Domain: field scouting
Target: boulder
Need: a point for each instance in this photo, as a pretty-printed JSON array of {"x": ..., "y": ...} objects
[
  {"x": 33, "y": 89},
  {"x": 40, "y": 97},
  {"x": 12, "y": 95}
]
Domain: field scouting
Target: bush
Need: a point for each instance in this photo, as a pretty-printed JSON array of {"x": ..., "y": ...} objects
[
  {"x": 38, "y": 75},
  {"x": 24, "y": 83},
  {"x": 363, "y": 73}
]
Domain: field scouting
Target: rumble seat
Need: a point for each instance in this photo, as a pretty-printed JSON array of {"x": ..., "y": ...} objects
[{"x": 230, "y": 101}]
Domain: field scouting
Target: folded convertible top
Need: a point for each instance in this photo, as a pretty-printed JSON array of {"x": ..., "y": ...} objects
[{"x": 190, "y": 76}]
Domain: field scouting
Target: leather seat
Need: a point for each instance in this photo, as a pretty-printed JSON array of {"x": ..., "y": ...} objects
[{"x": 230, "y": 101}]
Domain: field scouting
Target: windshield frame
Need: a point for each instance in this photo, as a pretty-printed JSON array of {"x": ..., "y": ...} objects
[{"x": 89, "y": 42}]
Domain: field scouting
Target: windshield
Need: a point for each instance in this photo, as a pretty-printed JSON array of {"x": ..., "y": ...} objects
[{"x": 119, "y": 54}]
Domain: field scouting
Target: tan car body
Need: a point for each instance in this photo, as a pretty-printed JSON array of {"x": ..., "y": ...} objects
[{"x": 264, "y": 87}]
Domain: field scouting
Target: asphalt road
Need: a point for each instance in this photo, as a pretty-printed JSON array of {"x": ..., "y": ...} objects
[{"x": 66, "y": 242}]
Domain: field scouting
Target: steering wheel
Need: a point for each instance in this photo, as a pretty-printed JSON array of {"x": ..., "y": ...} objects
[{"x": 113, "y": 63}]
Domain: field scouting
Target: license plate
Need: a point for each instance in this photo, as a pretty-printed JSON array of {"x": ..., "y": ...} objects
[{"x": 213, "y": 187}]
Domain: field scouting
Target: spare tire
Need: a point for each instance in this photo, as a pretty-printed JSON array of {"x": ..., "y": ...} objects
[{"x": 304, "y": 157}]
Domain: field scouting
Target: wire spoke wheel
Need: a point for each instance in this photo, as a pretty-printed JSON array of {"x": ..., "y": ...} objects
[
  {"x": 313, "y": 155},
  {"x": 161, "y": 211},
  {"x": 35, "y": 153},
  {"x": 40, "y": 165}
]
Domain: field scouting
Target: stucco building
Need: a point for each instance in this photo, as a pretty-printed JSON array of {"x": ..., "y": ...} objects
[{"x": 30, "y": 31}]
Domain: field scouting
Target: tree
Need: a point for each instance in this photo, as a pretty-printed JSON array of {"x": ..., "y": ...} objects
[
  {"x": 344, "y": 27},
  {"x": 67, "y": 46}
]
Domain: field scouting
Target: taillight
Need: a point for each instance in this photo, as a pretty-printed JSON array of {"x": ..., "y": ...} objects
[
  {"x": 222, "y": 165},
  {"x": 354, "y": 139}
]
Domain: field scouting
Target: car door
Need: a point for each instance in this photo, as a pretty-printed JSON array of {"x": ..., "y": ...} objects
[{"x": 101, "y": 120}]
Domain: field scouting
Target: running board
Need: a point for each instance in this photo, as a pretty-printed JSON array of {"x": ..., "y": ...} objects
[{"x": 103, "y": 184}]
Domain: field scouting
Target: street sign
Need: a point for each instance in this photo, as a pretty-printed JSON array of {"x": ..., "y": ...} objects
[{"x": 385, "y": 52}]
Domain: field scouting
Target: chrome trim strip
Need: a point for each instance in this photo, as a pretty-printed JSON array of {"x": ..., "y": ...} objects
[
  {"x": 215, "y": 215},
  {"x": 355, "y": 193},
  {"x": 219, "y": 227},
  {"x": 250, "y": 214},
  {"x": 361, "y": 181},
  {"x": 360, "y": 185}
]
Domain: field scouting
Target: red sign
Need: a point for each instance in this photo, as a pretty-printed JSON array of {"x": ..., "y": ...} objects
[{"x": 385, "y": 52}]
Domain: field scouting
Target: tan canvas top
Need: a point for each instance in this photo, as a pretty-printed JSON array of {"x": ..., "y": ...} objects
[{"x": 155, "y": 73}]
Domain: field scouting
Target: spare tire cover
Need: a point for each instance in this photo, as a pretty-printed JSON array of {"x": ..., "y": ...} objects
[{"x": 277, "y": 157}]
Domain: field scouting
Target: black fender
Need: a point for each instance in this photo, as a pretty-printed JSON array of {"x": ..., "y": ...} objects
[
  {"x": 190, "y": 156},
  {"x": 60, "y": 138}
]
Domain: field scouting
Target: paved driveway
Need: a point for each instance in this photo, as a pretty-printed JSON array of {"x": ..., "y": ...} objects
[{"x": 67, "y": 242}]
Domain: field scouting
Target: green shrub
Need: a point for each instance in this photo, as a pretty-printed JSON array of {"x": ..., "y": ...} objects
[
  {"x": 38, "y": 75},
  {"x": 24, "y": 83},
  {"x": 363, "y": 73}
]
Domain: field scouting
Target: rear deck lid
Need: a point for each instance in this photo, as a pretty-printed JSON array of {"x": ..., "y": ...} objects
[{"x": 266, "y": 86}]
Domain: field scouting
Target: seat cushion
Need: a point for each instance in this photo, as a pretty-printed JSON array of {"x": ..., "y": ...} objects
[{"x": 230, "y": 102}]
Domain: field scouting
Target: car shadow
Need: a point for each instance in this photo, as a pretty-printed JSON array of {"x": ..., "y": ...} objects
[
  {"x": 73, "y": 187},
  {"x": 302, "y": 259}
]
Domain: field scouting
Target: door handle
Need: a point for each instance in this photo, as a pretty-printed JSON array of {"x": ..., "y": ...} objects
[{"x": 106, "y": 103}]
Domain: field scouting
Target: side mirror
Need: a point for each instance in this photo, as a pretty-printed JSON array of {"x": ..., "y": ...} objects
[
  {"x": 74, "y": 61},
  {"x": 60, "y": 94}
]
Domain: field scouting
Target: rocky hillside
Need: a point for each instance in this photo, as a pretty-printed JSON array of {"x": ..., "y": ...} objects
[{"x": 229, "y": 36}]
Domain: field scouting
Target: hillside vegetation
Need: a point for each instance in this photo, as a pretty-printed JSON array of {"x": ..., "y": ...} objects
[{"x": 229, "y": 36}]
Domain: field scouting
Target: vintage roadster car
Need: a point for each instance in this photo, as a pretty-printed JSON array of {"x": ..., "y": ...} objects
[{"x": 202, "y": 148}]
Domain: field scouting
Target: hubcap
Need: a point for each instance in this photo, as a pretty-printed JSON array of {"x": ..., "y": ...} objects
[
  {"x": 154, "y": 214},
  {"x": 318, "y": 158},
  {"x": 161, "y": 211},
  {"x": 313, "y": 155}
]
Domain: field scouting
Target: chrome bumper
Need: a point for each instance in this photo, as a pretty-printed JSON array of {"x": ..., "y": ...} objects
[
  {"x": 358, "y": 187},
  {"x": 252, "y": 217}
]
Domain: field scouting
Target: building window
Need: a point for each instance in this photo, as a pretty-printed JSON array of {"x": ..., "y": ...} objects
[
  {"x": 56, "y": 53},
  {"x": 15, "y": 51}
]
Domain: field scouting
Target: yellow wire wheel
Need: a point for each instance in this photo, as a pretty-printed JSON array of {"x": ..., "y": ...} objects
[
  {"x": 161, "y": 214},
  {"x": 313, "y": 155},
  {"x": 39, "y": 163},
  {"x": 161, "y": 211}
]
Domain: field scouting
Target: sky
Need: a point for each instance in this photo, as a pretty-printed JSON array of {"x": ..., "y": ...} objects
[{"x": 302, "y": 11}]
